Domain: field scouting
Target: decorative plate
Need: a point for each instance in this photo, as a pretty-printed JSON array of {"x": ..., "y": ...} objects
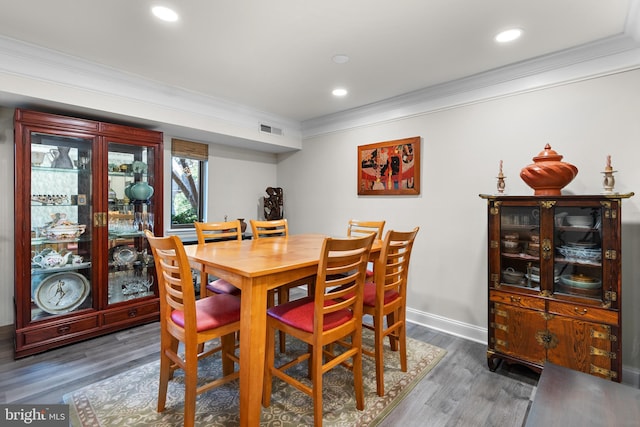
[
  {"x": 123, "y": 255},
  {"x": 580, "y": 281},
  {"x": 62, "y": 292}
]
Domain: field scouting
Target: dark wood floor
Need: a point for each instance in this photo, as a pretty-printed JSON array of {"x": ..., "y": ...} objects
[{"x": 460, "y": 391}]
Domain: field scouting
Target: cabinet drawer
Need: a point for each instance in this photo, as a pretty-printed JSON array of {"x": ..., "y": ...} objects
[
  {"x": 132, "y": 312},
  {"x": 60, "y": 330},
  {"x": 581, "y": 312},
  {"x": 517, "y": 300}
]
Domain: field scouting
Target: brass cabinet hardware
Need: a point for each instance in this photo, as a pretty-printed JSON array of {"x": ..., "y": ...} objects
[
  {"x": 494, "y": 244},
  {"x": 546, "y": 248},
  {"x": 601, "y": 352},
  {"x": 547, "y": 204},
  {"x": 515, "y": 299},
  {"x": 610, "y": 254},
  {"x": 602, "y": 371},
  {"x": 100, "y": 219},
  {"x": 495, "y": 279},
  {"x": 547, "y": 339},
  {"x": 604, "y": 335},
  {"x": 500, "y": 326},
  {"x": 611, "y": 296},
  {"x": 502, "y": 313},
  {"x": 580, "y": 312}
]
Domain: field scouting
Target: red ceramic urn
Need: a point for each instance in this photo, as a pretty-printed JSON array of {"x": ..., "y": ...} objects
[{"x": 547, "y": 175}]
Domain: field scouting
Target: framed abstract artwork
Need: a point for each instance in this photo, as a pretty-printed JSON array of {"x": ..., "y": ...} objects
[{"x": 389, "y": 168}]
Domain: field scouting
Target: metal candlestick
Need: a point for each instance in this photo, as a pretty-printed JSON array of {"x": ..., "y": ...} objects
[
  {"x": 609, "y": 180},
  {"x": 501, "y": 177}
]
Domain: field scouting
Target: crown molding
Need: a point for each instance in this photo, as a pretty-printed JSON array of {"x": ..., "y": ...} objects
[
  {"x": 31, "y": 72},
  {"x": 607, "y": 56}
]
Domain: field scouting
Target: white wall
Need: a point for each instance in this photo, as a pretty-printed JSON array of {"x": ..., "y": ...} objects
[
  {"x": 461, "y": 149},
  {"x": 7, "y": 214}
]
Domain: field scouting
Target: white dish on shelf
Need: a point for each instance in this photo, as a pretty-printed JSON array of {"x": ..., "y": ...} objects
[
  {"x": 65, "y": 232},
  {"x": 590, "y": 255},
  {"x": 65, "y": 267},
  {"x": 585, "y": 245},
  {"x": 579, "y": 220},
  {"x": 62, "y": 292}
]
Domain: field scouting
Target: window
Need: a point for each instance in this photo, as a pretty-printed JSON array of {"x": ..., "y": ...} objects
[{"x": 188, "y": 178}]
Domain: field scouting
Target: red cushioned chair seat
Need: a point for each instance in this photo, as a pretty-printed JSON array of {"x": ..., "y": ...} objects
[
  {"x": 299, "y": 314},
  {"x": 212, "y": 312},
  {"x": 369, "y": 297},
  {"x": 221, "y": 286}
]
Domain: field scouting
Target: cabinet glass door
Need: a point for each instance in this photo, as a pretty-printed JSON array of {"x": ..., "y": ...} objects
[
  {"x": 520, "y": 246},
  {"x": 130, "y": 212},
  {"x": 578, "y": 251},
  {"x": 61, "y": 226}
]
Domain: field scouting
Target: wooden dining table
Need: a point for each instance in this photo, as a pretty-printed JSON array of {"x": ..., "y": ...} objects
[{"x": 256, "y": 266}]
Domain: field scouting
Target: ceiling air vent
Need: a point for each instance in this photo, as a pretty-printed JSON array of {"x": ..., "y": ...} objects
[{"x": 270, "y": 129}]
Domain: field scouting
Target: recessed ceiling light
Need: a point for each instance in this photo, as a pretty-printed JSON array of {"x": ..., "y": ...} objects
[
  {"x": 508, "y": 35},
  {"x": 339, "y": 92},
  {"x": 164, "y": 13},
  {"x": 340, "y": 59}
]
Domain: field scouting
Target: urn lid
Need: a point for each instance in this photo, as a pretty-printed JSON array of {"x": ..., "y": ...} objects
[{"x": 548, "y": 155}]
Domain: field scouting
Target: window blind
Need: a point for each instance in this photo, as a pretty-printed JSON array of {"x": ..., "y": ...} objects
[{"x": 189, "y": 149}]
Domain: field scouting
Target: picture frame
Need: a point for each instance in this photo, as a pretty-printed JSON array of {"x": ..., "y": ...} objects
[{"x": 389, "y": 167}]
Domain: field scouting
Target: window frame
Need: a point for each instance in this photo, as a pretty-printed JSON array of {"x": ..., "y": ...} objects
[{"x": 196, "y": 153}]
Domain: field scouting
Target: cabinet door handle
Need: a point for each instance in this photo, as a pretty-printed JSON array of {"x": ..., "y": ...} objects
[
  {"x": 515, "y": 299},
  {"x": 64, "y": 329},
  {"x": 580, "y": 312}
]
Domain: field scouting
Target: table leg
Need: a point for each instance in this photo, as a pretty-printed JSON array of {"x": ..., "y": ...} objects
[{"x": 252, "y": 349}]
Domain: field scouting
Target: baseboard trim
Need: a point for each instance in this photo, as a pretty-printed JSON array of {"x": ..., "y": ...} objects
[{"x": 630, "y": 375}]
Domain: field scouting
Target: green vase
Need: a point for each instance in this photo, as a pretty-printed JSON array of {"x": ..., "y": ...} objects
[{"x": 141, "y": 191}]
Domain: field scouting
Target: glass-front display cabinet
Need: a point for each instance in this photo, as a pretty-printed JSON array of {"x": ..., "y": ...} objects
[
  {"x": 554, "y": 282},
  {"x": 85, "y": 191}
]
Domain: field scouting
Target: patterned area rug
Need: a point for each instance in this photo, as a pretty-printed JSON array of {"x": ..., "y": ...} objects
[{"x": 130, "y": 398}]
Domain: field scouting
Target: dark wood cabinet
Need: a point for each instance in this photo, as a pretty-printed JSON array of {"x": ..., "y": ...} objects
[
  {"x": 84, "y": 193},
  {"x": 554, "y": 282}
]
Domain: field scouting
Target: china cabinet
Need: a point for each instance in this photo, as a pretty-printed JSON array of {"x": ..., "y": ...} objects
[
  {"x": 84, "y": 193},
  {"x": 554, "y": 282}
]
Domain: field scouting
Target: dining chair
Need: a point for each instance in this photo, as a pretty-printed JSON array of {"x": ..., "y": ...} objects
[
  {"x": 386, "y": 297},
  {"x": 361, "y": 228},
  {"x": 212, "y": 232},
  {"x": 322, "y": 319},
  {"x": 274, "y": 228},
  {"x": 183, "y": 319},
  {"x": 269, "y": 228}
]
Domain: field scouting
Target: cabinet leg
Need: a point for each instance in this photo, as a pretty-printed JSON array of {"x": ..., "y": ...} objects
[{"x": 493, "y": 361}]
